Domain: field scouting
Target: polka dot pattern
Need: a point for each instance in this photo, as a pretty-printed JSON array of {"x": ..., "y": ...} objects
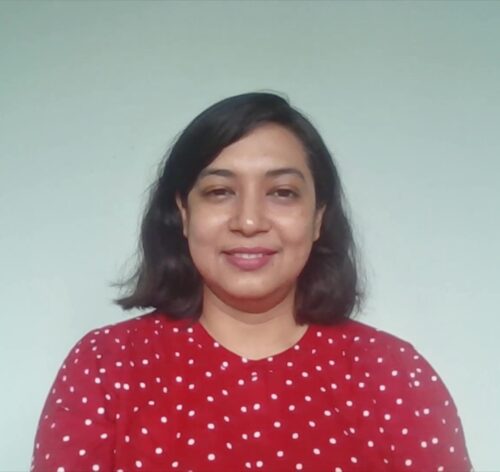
[{"x": 153, "y": 394}]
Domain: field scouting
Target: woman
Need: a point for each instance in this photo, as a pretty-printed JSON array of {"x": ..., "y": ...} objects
[{"x": 249, "y": 359}]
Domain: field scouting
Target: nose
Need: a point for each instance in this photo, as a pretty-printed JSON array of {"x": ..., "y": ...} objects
[{"x": 249, "y": 216}]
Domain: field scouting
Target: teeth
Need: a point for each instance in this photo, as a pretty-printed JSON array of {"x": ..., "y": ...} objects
[{"x": 247, "y": 256}]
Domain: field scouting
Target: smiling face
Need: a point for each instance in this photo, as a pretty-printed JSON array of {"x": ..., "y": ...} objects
[{"x": 251, "y": 218}]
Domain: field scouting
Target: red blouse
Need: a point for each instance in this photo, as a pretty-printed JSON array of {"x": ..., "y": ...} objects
[{"x": 153, "y": 394}]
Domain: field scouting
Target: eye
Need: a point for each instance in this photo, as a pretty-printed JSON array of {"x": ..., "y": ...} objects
[
  {"x": 218, "y": 192},
  {"x": 285, "y": 193}
]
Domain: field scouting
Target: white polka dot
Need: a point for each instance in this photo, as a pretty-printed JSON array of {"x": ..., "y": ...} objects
[
  {"x": 404, "y": 431},
  {"x": 138, "y": 464},
  {"x": 332, "y": 441},
  {"x": 316, "y": 451},
  {"x": 191, "y": 441},
  {"x": 158, "y": 450},
  {"x": 101, "y": 410},
  {"x": 66, "y": 438},
  {"x": 298, "y": 466},
  {"x": 211, "y": 457},
  {"x": 82, "y": 452},
  {"x": 408, "y": 462},
  {"x": 280, "y": 453},
  {"x": 259, "y": 464},
  {"x": 95, "y": 468}
]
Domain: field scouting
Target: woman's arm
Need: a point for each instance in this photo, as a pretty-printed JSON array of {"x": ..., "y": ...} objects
[{"x": 76, "y": 428}]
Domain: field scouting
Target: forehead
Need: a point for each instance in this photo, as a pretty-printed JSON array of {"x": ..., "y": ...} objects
[{"x": 268, "y": 147}]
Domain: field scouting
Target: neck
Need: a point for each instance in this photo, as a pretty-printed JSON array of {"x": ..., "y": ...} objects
[{"x": 252, "y": 333}]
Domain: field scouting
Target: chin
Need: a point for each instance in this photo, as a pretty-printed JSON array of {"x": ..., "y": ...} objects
[{"x": 254, "y": 294}]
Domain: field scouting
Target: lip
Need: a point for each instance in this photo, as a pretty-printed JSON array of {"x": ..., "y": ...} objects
[{"x": 249, "y": 258}]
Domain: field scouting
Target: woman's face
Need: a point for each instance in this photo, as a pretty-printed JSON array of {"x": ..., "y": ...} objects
[{"x": 251, "y": 218}]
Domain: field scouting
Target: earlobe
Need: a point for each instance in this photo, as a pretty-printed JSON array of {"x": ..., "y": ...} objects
[
  {"x": 318, "y": 220},
  {"x": 183, "y": 212}
]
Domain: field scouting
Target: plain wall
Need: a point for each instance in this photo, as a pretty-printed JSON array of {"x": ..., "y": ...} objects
[{"x": 406, "y": 94}]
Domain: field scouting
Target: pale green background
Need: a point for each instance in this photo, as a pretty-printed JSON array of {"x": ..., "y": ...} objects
[{"x": 405, "y": 93}]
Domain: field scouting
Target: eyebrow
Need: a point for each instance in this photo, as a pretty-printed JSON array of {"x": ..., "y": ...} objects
[{"x": 270, "y": 173}]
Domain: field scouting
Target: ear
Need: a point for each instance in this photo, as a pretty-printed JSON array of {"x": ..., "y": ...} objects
[
  {"x": 183, "y": 212},
  {"x": 318, "y": 220}
]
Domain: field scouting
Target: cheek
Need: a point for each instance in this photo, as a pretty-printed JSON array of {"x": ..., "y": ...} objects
[
  {"x": 297, "y": 229},
  {"x": 201, "y": 226},
  {"x": 203, "y": 233}
]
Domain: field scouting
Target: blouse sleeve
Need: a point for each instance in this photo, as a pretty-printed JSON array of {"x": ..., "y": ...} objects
[
  {"x": 421, "y": 422},
  {"x": 76, "y": 428}
]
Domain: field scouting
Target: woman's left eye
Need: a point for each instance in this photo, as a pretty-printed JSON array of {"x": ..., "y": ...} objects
[{"x": 285, "y": 193}]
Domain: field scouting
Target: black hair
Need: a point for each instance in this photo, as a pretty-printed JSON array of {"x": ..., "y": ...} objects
[{"x": 328, "y": 288}]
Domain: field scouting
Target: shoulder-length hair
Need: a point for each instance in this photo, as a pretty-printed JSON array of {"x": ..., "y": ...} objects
[{"x": 328, "y": 288}]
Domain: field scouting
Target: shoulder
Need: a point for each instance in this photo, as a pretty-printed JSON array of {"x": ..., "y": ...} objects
[
  {"x": 361, "y": 336},
  {"x": 148, "y": 324},
  {"x": 110, "y": 341},
  {"x": 380, "y": 353}
]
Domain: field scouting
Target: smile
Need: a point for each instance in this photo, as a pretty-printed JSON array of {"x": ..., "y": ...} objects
[
  {"x": 249, "y": 259},
  {"x": 245, "y": 255}
]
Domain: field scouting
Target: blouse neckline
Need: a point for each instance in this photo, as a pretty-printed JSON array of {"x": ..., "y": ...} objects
[{"x": 208, "y": 340}]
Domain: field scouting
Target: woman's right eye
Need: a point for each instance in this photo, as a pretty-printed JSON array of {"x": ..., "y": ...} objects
[{"x": 217, "y": 192}]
